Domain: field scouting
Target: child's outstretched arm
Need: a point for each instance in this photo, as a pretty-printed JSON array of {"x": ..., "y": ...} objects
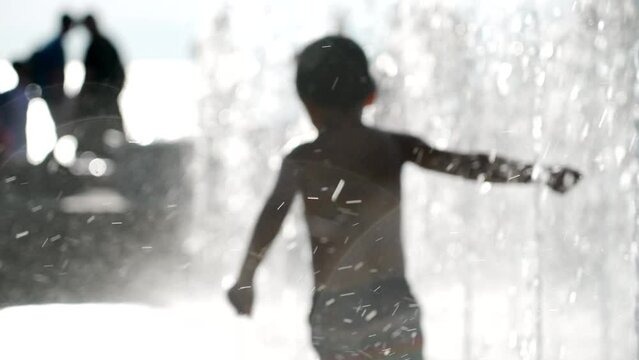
[
  {"x": 267, "y": 227},
  {"x": 487, "y": 167}
]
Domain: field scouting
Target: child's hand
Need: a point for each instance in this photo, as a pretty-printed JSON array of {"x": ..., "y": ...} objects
[
  {"x": 241, "y": 297},
  {"x": 562, "y": 179}
]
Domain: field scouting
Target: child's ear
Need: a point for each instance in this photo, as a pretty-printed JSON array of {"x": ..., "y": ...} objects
[{"x": 370, "y": 99}]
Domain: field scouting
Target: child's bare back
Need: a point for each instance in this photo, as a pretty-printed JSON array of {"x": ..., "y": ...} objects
[{"x": 349, "y": 179}]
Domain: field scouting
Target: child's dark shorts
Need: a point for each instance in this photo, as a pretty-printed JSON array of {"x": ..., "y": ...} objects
[{"x": 378, "y": 321}]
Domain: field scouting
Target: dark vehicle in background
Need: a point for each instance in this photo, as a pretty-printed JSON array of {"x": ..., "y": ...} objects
[{"x": 104, "y": 229}]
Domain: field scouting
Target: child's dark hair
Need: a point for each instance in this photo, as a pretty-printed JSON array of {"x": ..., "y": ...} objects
[{"x": 333, "y": 71}]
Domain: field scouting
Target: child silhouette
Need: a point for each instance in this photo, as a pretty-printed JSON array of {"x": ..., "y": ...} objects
[{"x": 349, "y": 177}]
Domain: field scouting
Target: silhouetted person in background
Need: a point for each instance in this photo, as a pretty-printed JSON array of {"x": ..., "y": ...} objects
[
  {"x": 13, "y": 113},
  {"x": 349, "y": 178},
  {"x": 48, "y": 71},
  {"x": 98, "y": 108}
]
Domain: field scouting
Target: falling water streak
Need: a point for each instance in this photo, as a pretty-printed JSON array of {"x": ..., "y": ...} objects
[
  {"x": 634, "y": 247},
  {"x": 635, "y": 236},
  {"x": 468, "y": 306},
  {"x": 634, "y": 52},
  {"x": 467, "y": 268},
  {"x": 533, "y": 282},
  {"x": 602, "y": 263}
]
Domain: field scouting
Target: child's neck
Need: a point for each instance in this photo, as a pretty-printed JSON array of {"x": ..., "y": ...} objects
[{"x": 326, "y": 119}]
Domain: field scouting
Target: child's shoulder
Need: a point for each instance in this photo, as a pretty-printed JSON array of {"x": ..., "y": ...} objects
[
  {"x": 301, "y": 151},
  {"x": 400, "y": 139}
]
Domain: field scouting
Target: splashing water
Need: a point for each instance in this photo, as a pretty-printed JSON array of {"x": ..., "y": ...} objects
[{"x": 502, "y": 271}]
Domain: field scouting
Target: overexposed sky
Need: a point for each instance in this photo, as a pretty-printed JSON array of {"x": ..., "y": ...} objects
[{"x": 140, "y": 28}]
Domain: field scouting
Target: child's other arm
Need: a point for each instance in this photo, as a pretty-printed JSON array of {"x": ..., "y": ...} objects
[
  {"x": 488, "y": 167},
  {"x": 267, "y": 227}
]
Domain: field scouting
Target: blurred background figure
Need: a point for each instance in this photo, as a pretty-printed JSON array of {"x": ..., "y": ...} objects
[
  {"x": 48, "y": 71},
  {"x": 97, "y": 108},
  {"x": 13, "y": 113}
]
